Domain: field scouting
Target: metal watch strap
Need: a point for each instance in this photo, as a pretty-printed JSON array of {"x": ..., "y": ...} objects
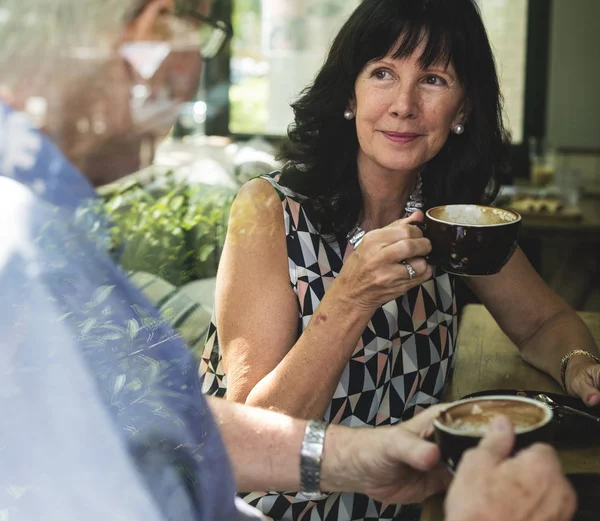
[{"x": 311, "y": 456}]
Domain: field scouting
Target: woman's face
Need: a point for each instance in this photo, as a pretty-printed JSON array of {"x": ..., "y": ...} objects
[{"x": 404, "y": 113}]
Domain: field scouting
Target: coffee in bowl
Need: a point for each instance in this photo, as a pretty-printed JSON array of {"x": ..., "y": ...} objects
[
  {"x": 462, "y": 424},
  {"x": 470, "y": 239}
]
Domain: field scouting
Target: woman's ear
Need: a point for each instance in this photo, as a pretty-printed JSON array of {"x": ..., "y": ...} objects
[
  {"x": 464, "y": 112},
  {"x": 352, "y": 104}
]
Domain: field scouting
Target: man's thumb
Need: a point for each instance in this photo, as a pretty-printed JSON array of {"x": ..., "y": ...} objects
[{"x": 499, "y": 441}]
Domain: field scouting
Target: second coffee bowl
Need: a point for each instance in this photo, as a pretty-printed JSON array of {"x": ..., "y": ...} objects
[{"x": 461, "y": 425}]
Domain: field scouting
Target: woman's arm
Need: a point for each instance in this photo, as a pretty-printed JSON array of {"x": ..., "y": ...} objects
[
  {"x": 257, "y": 317},
  {"x": 539, "y": 322},
  {"x": 257, "y": 310}
]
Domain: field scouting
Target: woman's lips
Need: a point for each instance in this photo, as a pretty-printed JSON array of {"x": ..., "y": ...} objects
[{"x": 401, "y": 137}]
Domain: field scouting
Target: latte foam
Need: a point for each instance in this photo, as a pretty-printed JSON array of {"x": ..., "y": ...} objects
[
  {"x": 476, "y": 417},
  {"x": 473, "y": 215}
]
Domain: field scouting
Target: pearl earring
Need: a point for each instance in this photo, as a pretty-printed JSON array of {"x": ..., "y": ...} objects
[
  {"x": 459, "y": 129},
  {"x": 348, "y": 114}
]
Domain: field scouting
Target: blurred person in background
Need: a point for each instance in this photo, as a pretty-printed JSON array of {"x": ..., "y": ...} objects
[
  {"x": 111, "y": 125},
  {"x": 104, "y": 415}
]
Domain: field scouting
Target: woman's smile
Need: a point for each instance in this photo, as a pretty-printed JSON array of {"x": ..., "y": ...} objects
[{"x": 401, "y": 137}]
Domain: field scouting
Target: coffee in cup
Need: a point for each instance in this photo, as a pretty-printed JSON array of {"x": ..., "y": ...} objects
[
  {"x": 462, "y": 424},
  {"x": 470, "y": 239}
]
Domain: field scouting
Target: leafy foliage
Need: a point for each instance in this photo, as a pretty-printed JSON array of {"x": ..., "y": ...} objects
[{"x": 175, "y": 232}]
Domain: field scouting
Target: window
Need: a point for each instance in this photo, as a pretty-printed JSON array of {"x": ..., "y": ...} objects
[
  {"x": 506, "y": 24},
  {"x": 278, "y": 47}
]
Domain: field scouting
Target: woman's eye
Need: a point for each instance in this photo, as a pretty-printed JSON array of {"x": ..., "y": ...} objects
[
  {"x": 380, "y": 74},
  {"x": 434, "y": 80}
]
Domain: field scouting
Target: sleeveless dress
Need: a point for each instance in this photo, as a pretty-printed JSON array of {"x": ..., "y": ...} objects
[{"x": 398, "y": 368}]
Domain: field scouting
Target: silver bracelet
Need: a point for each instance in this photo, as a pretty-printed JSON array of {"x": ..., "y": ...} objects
[
  {"x": 311, "y": 456},
  {"x": 355, "y": 236}
]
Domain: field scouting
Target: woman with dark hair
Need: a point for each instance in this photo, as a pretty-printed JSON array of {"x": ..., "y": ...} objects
[
  {"x": 326, "y": 306},
  {"x": 327, "y": 146}
]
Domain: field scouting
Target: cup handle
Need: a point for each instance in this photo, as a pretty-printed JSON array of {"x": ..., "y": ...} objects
[{"x": 430, "y": 258}]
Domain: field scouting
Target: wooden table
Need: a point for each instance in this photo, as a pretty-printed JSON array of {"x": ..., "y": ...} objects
[
  {"x": 544, "y": 239},
  {"x": 487, "y": 359},
  {"x": 587, "y": 228}
]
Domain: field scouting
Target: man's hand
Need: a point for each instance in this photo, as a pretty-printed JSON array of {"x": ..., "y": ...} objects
[
  {"x": 390, "y": 464},
  {"x": 491, "y": 486}
]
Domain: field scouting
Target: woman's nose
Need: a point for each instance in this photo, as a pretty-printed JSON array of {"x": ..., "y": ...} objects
[{"x": 404, "y": 103}]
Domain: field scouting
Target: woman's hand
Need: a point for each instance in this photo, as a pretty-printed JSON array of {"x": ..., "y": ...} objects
[
  {"x": 374, "y": 275},
  {"x": 541, "y": 324},
  {"x": 390, "y": 464},
  {"x": 583, "y": 379}
]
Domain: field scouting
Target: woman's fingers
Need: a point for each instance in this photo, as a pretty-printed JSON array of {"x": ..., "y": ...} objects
[
  {"x": 408, "y": 228},
  {"x": 414, "y": 269},
  {"x": 383, "y": 237},
  {"x": 388, "y": 262},
  {"x": 406, "y": 249}
]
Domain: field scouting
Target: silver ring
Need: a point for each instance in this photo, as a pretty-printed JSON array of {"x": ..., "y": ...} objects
[{"x": 411, "y": 271}]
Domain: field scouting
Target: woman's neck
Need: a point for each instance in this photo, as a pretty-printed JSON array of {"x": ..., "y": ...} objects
[{"x": 385, "y": 194}]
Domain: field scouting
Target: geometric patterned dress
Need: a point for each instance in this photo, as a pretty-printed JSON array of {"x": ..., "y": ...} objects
[{"x": 399, "y": 366}]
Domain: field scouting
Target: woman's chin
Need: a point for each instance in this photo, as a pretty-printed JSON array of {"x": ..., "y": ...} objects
[{"x": 406, "y": 168}]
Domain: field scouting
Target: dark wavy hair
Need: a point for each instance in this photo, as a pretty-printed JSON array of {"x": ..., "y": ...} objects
[{"x": 321, "y": 152}]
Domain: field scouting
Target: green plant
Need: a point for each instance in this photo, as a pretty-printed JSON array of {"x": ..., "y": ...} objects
[{"x": 176, "y": 232}]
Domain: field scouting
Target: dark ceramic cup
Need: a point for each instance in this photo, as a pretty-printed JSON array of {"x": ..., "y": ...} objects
[
  {"x": 461, "y": 425},
  {"x": 472, "y": 240}
]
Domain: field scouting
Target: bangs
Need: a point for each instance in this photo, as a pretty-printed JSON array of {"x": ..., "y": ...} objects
[
  {"x": 413, "y": 24},
  {"x": 437, "y": 51}
]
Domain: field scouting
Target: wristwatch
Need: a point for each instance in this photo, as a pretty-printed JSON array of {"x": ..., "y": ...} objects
[{"x": 311, "y": 456}]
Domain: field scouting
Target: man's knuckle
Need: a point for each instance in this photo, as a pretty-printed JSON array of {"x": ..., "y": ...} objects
[
  {"x": 543, "y": 457},
  {"x": 570, "y": 502},
  {"x": 470, "y": 456}
]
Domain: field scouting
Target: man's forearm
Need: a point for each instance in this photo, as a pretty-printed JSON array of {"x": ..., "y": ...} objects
[
  {"x": 263, "y": 446},
  {"x": 264, "y": 449},
  {"x": 399, "y": 466}
]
